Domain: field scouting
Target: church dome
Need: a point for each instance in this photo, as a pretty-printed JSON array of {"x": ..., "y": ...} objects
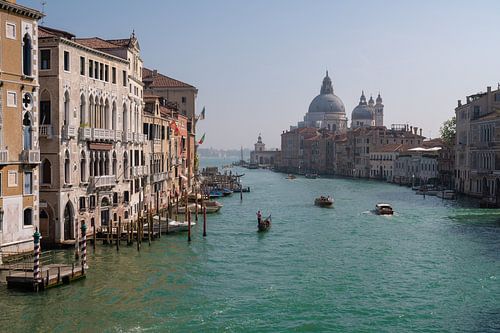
[
  {"x": 362, "y": 111},
  {"x": 327, "y": 101}
]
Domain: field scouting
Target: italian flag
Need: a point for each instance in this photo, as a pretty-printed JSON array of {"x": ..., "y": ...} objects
[{"x": 202, "y": 139}]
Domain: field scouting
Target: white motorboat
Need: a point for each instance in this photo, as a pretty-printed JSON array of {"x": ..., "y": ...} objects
[
  {"x": 191, "y": 208},
  {"x": 212, "y": 206},
  {"x": 181, "y": 225},
  {"x": 447, "y": 194},
  {"x": 384, "y": 209}
]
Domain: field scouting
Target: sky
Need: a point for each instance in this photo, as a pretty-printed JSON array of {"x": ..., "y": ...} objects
[{"x": 258, "y": 64}]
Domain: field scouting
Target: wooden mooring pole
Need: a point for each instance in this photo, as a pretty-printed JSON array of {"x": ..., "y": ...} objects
[
  {"x": 204, "y": 221},
  {"x": 150, "y": 229},
  {"x": 189, "y": 225}
]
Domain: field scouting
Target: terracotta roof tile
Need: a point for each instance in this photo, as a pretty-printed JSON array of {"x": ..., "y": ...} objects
[
  {"x": 96, "y": 43},
  {"x": 153, "y": 79},
  {"x": 51, "y": 32}
]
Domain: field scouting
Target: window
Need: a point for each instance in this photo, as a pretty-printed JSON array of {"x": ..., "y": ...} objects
[
  {"x": 28, "y": 217},
  {"x": 477, "y": 110},
  {"x": 46, "y": 172},
  {"x": 115, "y": 199},
  {"x": 27, "y": 132},
  {"x": 12, "y": 179},
  {"x": 66, "y": 61},
  {"x": 91, "y": 68},
  {"x": 44, "y": 59},
  {"x": 124, "y": 78},
  {"x": 82, "y": 65},
  {"x": 28, "y": 183},
  {"x": 10, "y": 30},
  {"x": 67, "y": 170},
  {"x": 96, "y": 70},
  {"x": 11, "y": 99},
  {"x": 113, "y": 74},
  {"x": 106, "y": 73},
  {"x": 183, "y": 100},
  {"x": 101, "y": 71},
  {"x": 82, "y": 203},
  {"x": 1, "y": 187},
  {"x": 92, "y": 201},
  {"x": 45, "y": 112},
  {"x": 27, "y": 51}
]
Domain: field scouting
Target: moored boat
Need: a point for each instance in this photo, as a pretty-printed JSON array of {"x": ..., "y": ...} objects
[
  {"x": 226, "y": 192},
  {"x": 447, "y": 194},
  {"x": 384, "y": 209},
  {"x": 215, "y": 194},
  {"x": 181, "y": 226},
  {"x": 323, "y": 201},
  {"x": 191, "y": 208},
  {"x": 264, "y": 225},
  {"x": 212, "y": 206}
]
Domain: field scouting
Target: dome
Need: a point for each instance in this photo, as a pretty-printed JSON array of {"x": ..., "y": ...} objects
[
  {"x": 362, "y": 112},
  {"x": 327, "y": 101}
]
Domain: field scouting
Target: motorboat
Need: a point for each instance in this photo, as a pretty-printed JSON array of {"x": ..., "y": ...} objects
[
  {"x": 241, "y": 189},
  {"x": 384, "y": 209},
  {"x": 447, "y": 194},
  {"x": 181, "y": 226},
  {"x": 226, "y": 192},
  {"x": 215, "y": 194},
  {"x": 324, "y": 201},
  {"x": 291, "y": 176},
  {"x": 264, "y": 225},
  {"x": 212, "y": 206},
  {"x": 191, "y": 208},
  {"x": 428, "y": 190}
]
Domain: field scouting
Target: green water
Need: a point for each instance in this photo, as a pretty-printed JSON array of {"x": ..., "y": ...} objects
[{"x": 434, "y": 267}]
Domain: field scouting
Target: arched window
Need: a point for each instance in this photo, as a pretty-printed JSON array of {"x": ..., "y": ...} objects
[
  {"x": 106, "y": 165},
  {"x": 83, "y": 119},
  {"x": 46, "y": 172},
  {"x": 115, "y": 163},
  {"x": 91, "y": 112},
  {"x": 45, "y": 112},
  {"x": 28, "y": 216},
  {"x": 27, "y": 132},
  {"x": 125, "y": 166},
  {"x": 101, "y": 164},
  {"x": 101, "y": 114},
  {"x": 83, "y": 167},
  {"x": 27, "y": 55},
  {"x": 124, "y": 118},
  {"x": 105, "y": 120},
  {"x": 66, "y": 108},
  {"x": 113, "y": 117},
  {"x": 67, "y": 171}
]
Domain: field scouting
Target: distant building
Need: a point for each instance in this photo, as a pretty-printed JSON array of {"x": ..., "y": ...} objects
[
  {"x": 326, "y": 110},
  {"x": 417, "y": 166},
  {"x": 382, "y": 161},
  {"x": 263, "y": 157},
  {"x": 477, "y": 156},
  {"x": 368, "y": 114}
]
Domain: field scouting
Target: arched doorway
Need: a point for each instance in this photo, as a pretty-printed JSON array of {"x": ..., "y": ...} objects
[
  {"x": 105, "y": 211},
  {"x": 69, "y": 222}
]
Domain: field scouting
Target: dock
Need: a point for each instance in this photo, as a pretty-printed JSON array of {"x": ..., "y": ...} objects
[{"x": 51, "y": 276}]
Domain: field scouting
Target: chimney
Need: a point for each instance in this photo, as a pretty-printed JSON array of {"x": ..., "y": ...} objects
[
  {"x": 488, "y": 89},
  {"x": 420, "y": 132},
  {"x": 415, "y": 129},
  {"x": 155, "y": 72},
  {"x": 411, "y": 129},
  {"x": 459, "y": 102}
]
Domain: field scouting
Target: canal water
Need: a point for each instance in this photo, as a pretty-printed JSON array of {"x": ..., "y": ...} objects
[{"x": 433, "y": 267}]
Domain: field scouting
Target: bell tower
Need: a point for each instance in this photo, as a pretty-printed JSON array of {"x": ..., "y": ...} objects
[
  {"x": 379, "y": 111},
  {"x": 260, "y": 146}
]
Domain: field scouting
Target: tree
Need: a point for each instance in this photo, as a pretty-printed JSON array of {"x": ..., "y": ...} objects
[{"x": 448, "y": 131}]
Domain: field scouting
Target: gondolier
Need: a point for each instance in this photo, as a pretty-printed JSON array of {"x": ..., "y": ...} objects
[{"x": 259, "y": 217}]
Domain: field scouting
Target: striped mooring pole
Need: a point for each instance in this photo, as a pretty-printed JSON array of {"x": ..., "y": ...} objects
[
  {"x": 36, "y": 260},
  {"x": 84, "y": 246}
]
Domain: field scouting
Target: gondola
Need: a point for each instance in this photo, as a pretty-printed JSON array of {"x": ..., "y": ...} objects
[
  {"x": 265, "y": 225},
  {"x": 323, "y": 201}
]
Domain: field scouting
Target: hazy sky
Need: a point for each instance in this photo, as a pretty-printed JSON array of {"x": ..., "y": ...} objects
[{"x": 258, "y": 64}]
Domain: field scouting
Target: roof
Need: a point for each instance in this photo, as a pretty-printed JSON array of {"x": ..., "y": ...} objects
[
  {"x": 421, "y": 149},
  {"x": 51, "y": 32},
  {"x": 15, "y": 8},
  {"x": 153, "y": 79},
  {"x": 96, "y": 43},
  {"x": 390, "y": 148}
]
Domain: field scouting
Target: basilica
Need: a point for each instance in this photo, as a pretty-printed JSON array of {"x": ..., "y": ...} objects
[{"x": 327, "y": 111}]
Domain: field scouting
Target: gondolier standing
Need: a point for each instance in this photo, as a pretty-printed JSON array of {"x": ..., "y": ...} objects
[{"x": 259, "y": 217}]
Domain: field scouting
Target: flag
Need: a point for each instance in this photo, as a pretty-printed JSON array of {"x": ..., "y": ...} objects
[
  {"x": 173, "y": 124},
  {"x": 202, "y": 139},
  {"x": 202, "y": 114}
]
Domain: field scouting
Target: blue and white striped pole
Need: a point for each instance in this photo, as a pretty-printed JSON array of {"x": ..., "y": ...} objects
[
  {"x": 84, "y": 246},
  {"x": 36, "y": 261}
]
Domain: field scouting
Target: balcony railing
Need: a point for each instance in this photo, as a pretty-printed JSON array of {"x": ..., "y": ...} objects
[
  {"x": 30, "y": 156},
  {"x": 45, "y": 131},
  {"x": 69, "y": 132},
  {"x": 158, "y": 177},
  {"x": 102, "y": 134},
  {"x": 103, "y": 181},
  {"x": 118, "y": 135},
  {"x": 85, "y": 133},
  {"x": 4, "y": 156},
  {"x": 138, "y": 171},
  {"x": 128, "y": 136}
]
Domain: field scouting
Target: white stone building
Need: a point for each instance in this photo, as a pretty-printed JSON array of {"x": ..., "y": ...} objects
[{"x": 91, "y": 133}]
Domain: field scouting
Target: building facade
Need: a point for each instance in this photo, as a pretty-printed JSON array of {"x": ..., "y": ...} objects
[
  {"x": 262, "y": 157},
  {"x": 477, "y": 154},
  {"x": 93, "y": 164},
  {"x": 19, "y": 119},
  {"x": 184, "y": 95}
]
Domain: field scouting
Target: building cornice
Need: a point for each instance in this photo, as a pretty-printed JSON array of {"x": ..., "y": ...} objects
[
  {"x": 81, "y": 47},
  {"x": 20, "y": 10}
]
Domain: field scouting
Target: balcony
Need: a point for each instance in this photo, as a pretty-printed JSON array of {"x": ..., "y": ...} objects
[
  {"x": 45, "y": 131},
  {"x": 85, "y": 133},
  {"x": 69, "y": 132},
  {"x": 158, "y": 177},
  {"x": 103, "y": 134},
  {"x": 4, "y": 156},
  {"x": 103, "y": 181},
  {"x": 139, "y": 138},
  {"x": 30, "y": 156},
  {"x": 128, "y": 136},
  {"x": 118, "y": 135},
  {"x": 139, "y": 171}
]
